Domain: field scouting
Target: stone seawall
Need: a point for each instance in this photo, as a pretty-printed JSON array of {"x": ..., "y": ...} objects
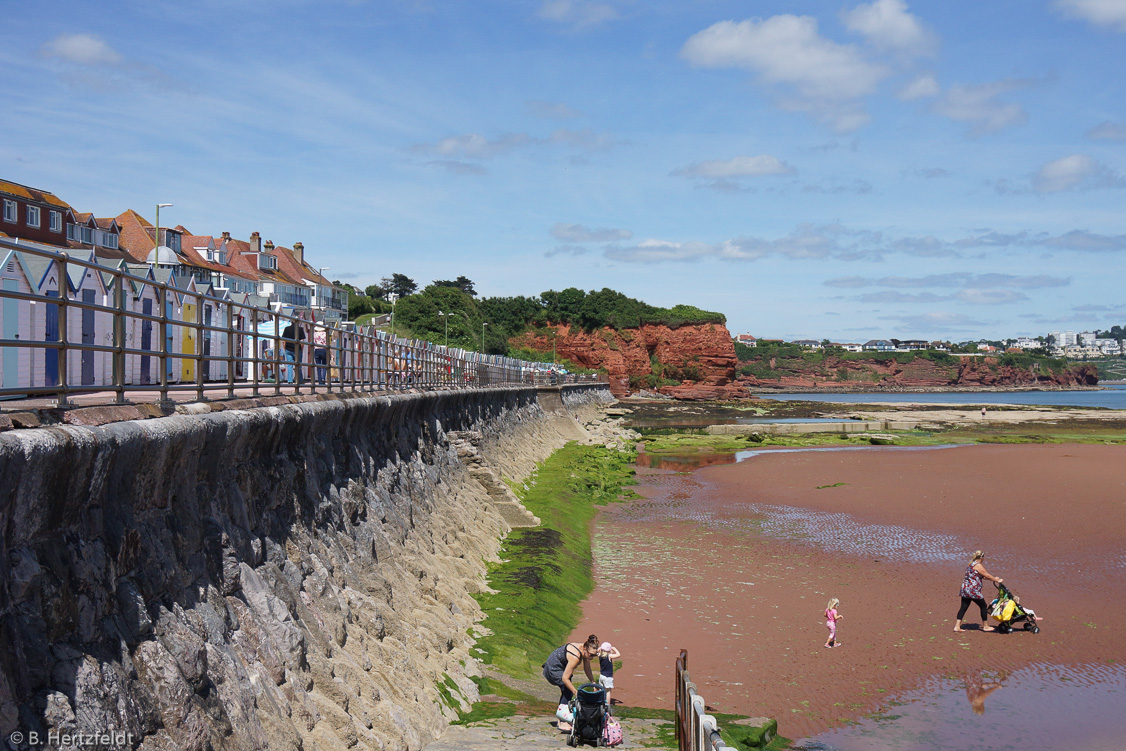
[{"x": 285, "y": 577}]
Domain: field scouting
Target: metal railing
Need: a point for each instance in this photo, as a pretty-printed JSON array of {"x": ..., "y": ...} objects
[
  {"x": 158, "y": 337},
  {"x": 696, "y": 730}
]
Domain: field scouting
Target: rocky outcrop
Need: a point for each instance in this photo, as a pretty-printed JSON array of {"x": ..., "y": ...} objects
[
  {"x": 919, "y": 374},
  {"x": 701, "y": 357},
  {"x": 291, "y": 577}
]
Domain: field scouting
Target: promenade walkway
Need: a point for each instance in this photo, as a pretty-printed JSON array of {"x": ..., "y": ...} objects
[{"x": 537, "y": 733}]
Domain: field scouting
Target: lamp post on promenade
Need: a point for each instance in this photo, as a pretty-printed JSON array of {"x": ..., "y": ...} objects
[
  {"x": 483, "y": 325},
  {"x": 447, "y": 317},
  {"x": 156, "y": 233},
  {"x": 393, "y": 298}
]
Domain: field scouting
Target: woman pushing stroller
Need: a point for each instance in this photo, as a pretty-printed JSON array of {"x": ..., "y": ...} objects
[{"x": 971, "y": 591}]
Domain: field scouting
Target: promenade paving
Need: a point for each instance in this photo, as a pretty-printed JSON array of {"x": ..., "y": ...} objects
[{"x": 538, "y": 733}]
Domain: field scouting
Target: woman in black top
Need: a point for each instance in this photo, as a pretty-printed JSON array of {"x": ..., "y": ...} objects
[{"x": 560, "y": 666}]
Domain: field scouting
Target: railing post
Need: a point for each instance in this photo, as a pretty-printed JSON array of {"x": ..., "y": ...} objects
[
  {"x": 119, "y": 338},
  {"x": 198, "y": 354},
  {"x": 64, "y": 298},
  {"x": 231, "y": 363},
  {"x": 162, "y": 299}
]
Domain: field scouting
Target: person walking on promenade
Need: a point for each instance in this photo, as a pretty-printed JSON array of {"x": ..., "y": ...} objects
[
  {"x": 607, "y": 653},
  {"x": 559, "y": 668},
  {"x": 831, "y": 618},
  {"x": 971, "y": 591},
  {"x": 320, "y": 351}
]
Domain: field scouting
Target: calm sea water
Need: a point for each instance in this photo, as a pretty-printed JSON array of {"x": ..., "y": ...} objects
[{"x": 1112, "y": 397}]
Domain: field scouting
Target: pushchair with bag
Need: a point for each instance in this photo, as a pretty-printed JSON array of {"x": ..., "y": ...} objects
[
  {"x": 1007, "y": 610},
  {"x": 590, "y": 713}
]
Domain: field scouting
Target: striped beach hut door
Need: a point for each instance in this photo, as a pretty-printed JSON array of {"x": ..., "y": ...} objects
[
  {"x": 11, "y": 372},
  {"x": 88, "y": 338},
  {"x": 51, "y": 334},
  {"x": 146, "y": 342}
]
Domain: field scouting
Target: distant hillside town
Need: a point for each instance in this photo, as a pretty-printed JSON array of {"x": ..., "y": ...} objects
[{"x": 1082, "y": 346}]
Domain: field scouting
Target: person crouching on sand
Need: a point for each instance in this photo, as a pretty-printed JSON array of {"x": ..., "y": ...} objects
[
  {"x": 831, "y": 618},
  {"x": 607, "y": 653},
  {"x": 971, "y": 591}
]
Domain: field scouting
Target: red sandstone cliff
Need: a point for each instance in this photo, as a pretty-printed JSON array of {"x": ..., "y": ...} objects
[
  {"x": 702, "y": 355},
  {"x": 921, "y": 373}
]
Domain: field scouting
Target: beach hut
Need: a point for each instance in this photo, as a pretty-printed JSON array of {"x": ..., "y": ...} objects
[
  {"x": 15, "y": 320},
  {"x": 86, "y": 367}
]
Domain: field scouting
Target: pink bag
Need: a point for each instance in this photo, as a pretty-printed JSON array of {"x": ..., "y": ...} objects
[{"x": 611, "y": 733}]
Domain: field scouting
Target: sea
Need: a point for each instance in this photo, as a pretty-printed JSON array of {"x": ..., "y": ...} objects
[{"x": 1109, "y": 397}]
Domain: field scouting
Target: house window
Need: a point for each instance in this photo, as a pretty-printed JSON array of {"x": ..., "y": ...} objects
[
  {"x": 32, "y": 216},
  {"x": 9, "y": 211},
  {"x": 56, "y": 221}
]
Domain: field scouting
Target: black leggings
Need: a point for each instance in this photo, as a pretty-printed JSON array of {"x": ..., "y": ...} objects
[{"x": 980, "y": 603}]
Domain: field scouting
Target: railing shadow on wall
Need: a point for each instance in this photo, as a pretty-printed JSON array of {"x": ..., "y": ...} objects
[
  {"x": 696, "y": 730},
  {"x": 71, "y": 326}
]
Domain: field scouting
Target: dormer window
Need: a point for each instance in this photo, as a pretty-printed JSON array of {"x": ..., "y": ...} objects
[
  {"x": 32, "y": 216},
  {"x": 267, "y": 262},
  {"x": 10, "y": 211},
  {"x": 56, "y": 221}
]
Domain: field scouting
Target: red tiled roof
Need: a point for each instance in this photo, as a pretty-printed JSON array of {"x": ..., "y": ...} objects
[
  {"x": 32, "y": 194},
  {"x": 136, "y": 235}
]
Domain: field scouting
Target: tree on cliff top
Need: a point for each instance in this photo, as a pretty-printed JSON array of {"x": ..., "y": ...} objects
[{"x": 593, "y": 310}]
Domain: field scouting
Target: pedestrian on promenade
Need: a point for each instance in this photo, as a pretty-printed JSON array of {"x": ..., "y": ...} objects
[
  {"x": 831, "y": 618},
  {"x": 320, "y": 351},
  {"x": 293, "y": 335},
  {"x": 559, "y": 668},
  {"x": 971, "y": 591}
]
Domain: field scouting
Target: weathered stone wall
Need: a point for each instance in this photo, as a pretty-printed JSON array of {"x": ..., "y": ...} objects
[{"x": 274, "y": 578}]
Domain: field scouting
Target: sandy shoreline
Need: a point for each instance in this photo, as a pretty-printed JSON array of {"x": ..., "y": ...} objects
[{"x": 692, "y": 567}]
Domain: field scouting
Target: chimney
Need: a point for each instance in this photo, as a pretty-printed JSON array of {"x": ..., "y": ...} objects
[
  {"x": 227, "y": 236},
  {"x": 255, "y": 242},
  {"x": 299, "y": 252},
  {"x": 269, "y": 246}
]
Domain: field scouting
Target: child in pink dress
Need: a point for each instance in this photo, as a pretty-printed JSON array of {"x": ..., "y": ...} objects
[{"x": 831, "y": 618}]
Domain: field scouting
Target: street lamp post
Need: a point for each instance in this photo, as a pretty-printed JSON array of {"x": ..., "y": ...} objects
[
  {"x": 393, "y": 297},
  {"x": 447, "y": 317},
  {"x": 156, "y": 234},
  {"x": 483, "y": 325},
  {"x": 321, "y": 273}
]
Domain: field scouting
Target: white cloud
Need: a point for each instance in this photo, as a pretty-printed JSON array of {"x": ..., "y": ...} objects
[
  {"x": 577, "y": 233},
  {"x": 475, "y": 146},
  {"x": 578, "y": 15},
  {"x": 815, "y": 74},
  {"x": 937, "y": 322},
  {"x": 1108, "y": 132},
  {"x": 888, "y": 25},
  {"x": 82, "y": 49},
  {"x": 655, "y": 251},
  {"x": 552, "y": 110},
  {"x": 740, "y": 166},
  {"x": 1109, "y": 13},
  {"x": 921, "y": 87},
  {"x": 455, "y": 167},
  {"x": 990, "y": 296},
  {"x": 981, "y": 107},
  {"x": 1075, "y": 172}
]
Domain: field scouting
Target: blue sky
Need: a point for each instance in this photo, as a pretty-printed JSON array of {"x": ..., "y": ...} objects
[{"x": 837, "y": 170}]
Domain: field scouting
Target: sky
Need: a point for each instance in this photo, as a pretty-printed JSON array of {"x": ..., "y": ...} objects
[{"x": 844, "y": 170}]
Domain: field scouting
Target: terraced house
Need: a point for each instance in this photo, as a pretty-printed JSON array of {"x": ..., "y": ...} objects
[{"x": 211, "y": 281}]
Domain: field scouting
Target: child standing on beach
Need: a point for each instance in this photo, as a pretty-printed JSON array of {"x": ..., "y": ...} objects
[
  {"x": 831, "y": 618},
  {"x": 607, "y": 653}
]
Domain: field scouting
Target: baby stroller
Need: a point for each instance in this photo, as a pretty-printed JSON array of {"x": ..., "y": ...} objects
[
  {"x": 1007, "y": 610},
  {"x": 590, "y": 712}
]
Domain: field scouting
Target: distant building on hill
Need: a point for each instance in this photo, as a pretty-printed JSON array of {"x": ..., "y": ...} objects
[{"x": 746, "y": 340}]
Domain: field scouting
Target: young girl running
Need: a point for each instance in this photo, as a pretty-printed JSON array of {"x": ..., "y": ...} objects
[{"x": 831, "y": 618}]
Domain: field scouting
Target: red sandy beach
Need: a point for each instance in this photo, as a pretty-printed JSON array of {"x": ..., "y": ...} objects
[{"x": 735, "y": 563}]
